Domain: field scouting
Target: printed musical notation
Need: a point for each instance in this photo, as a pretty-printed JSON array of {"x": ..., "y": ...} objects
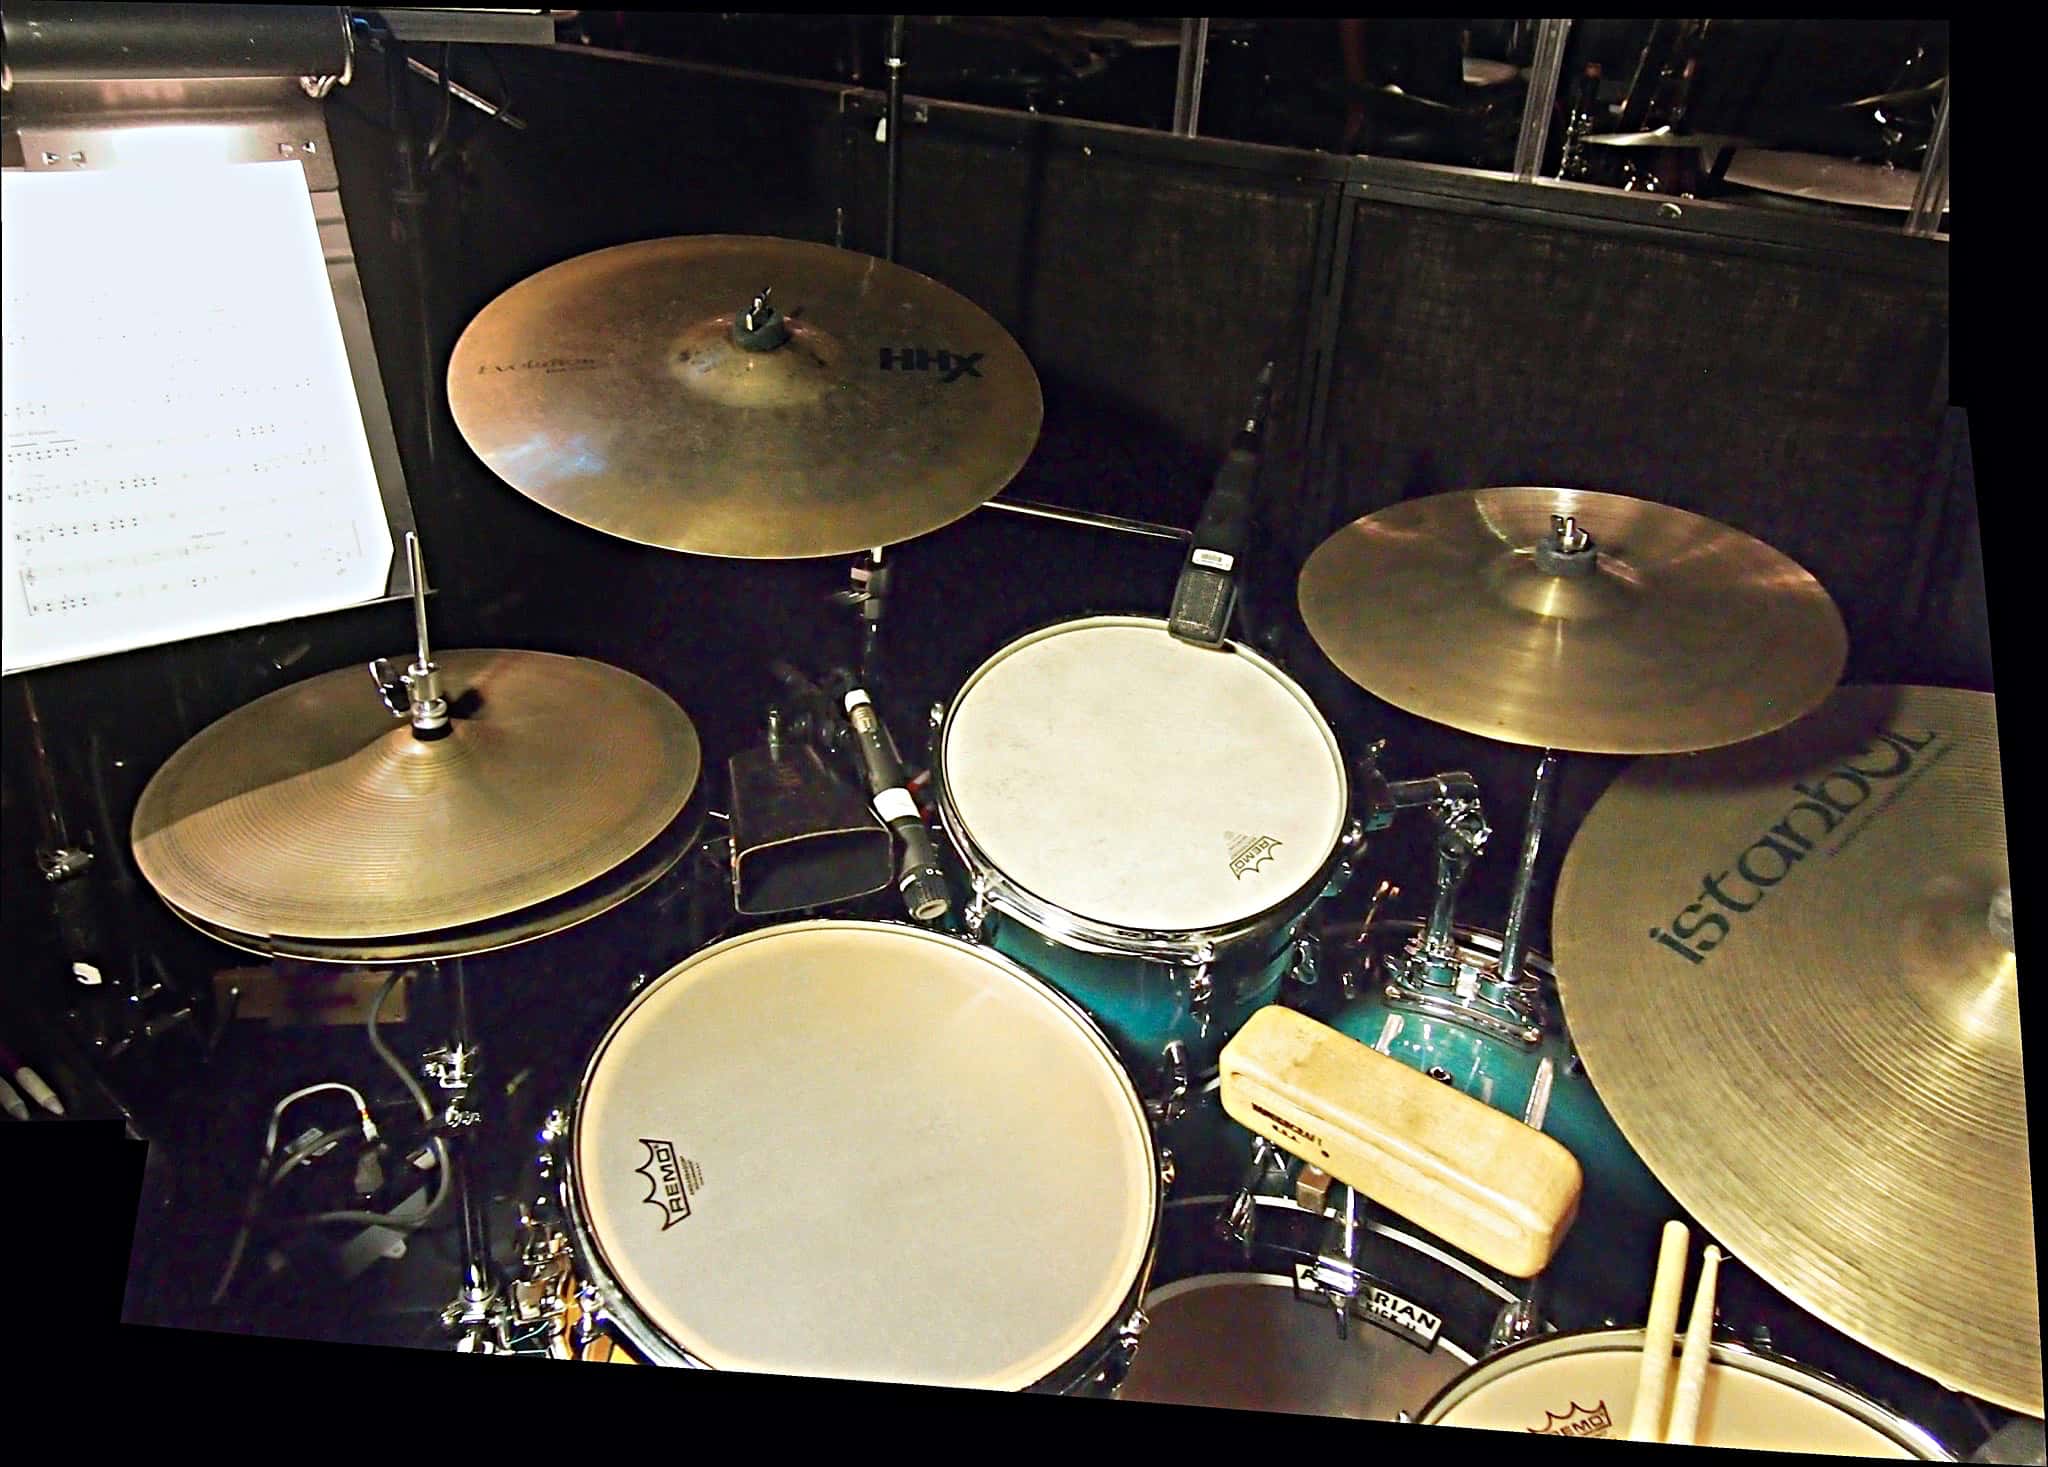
[{"x": 184, "y": 450}]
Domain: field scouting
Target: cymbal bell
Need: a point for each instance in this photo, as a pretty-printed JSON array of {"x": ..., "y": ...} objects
[
  {"x": 313, "y": 823},
  {"x": 1677, "y": 634},
  {"x": 1788, "y": 967},
  {"x": 864, "y": 405}
]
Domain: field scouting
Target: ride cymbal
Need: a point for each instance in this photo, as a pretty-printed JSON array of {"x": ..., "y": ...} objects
[
  {"x": 1788, "y": 968},
  {"x": 314, "y": 823},
  {"x": 614, "y": 389},
  {"x": 1667, "y": 633}
]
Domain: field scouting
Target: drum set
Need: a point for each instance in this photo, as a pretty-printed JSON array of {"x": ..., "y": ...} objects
[{"x": 1047, "y": 1132}]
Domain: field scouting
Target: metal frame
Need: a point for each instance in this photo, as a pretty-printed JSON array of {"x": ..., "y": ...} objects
[
  {"x": 1930, "y": 200},
  {"x": 1541, "y": 100},
  {"x": 1194, "y": 63}
]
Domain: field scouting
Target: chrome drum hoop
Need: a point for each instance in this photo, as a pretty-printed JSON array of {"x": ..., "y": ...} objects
[
  {"x": 1096, "y": 1368},
  {"x": 1191, "y": 948}
]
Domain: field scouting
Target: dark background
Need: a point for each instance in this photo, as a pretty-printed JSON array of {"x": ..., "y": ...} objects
[{"x": 1431, "y": 332}]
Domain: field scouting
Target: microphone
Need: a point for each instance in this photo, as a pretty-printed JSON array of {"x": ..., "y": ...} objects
[
  {"x": 918, "y": 876},
  {"x": 1206, "y": 594}
]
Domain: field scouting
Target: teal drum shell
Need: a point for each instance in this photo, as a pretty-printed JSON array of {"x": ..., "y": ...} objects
[
  {"x": 1502, "y": 1073},
  {"x": 1597, "y": 1274},
  {"x": 1145, "y": 1005},
  {"x": 1121, "y": 747}
]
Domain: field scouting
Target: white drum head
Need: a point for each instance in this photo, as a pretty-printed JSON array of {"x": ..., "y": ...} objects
[
  {"x": 1130, "y": 778},
  {"x": 866, "y": 1152},
  {"x": 1585, "y": 1385}
]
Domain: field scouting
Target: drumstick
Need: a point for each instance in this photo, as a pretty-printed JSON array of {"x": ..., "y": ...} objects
[
  {"x": 1648, "y": 1417},
  {"x": 1692, "y": 1365}
]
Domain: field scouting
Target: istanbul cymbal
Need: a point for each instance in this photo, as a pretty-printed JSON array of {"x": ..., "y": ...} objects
[
  {"x": 312, "y": 823},
  {"x": 1788, "y": 967},
  {"x": 642, "y": 392},
  {"x": 1667, "y": 633}
]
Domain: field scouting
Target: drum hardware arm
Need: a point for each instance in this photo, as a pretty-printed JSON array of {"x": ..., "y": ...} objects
[
  {"x": 1239, "y": 1220},
  {"x": 1336, "y": 1275}
]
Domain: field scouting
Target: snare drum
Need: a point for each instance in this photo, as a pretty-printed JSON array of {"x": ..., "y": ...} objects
[
  {"x": 1146, "y": 824},
  {"x": 1238, "y": 1333},
  {"x": 1585, "y": 1384},
  {"x": 864, "y": 1151}
]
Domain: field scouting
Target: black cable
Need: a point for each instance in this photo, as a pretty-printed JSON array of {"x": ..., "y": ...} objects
[
  {"x": 439, "y": 140},
  {"x": 260, "y": 1188}
]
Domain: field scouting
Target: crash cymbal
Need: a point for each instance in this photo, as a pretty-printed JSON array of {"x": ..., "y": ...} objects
[
  {"x": 1788, "y": 968},
  {"x": 1676, "y": 634},
  {"x": 1664, "y": 137},
  {"x": 1905, "y": 97},
  {"x": 314, "y": 823},
  {"x": 611, "y": 389},
  {"x": 1828, "y": 180}
]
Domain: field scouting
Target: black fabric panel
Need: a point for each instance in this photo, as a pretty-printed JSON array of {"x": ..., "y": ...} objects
[
  {"x": 1793, "y": 401},
  {"x": 1146, "y": 293}
]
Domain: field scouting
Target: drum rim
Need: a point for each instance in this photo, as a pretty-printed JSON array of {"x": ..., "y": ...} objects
[
  {"x": 1836, "y": 1392},
  {"x": 654, "y": 1345},
  {"x": 1185, "y": 948}
]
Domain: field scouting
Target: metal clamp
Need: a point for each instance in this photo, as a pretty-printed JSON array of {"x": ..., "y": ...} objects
[{"x": 452, "y": 1067}]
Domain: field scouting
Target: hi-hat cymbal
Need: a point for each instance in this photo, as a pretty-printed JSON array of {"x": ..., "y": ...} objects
[
  {"x": 1679, "y": 634},
  {"x": 1788, "y": 968},
  {"x": 611, "y": 389},
  {"x": 314, "y": 823}
]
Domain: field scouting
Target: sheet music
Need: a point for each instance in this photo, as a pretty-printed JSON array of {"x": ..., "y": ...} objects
[{"x": 185, "y": 453}]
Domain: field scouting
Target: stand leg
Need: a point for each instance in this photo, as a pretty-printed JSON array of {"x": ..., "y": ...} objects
[
  {"x": 455, "y": 1070},
  {"x": 871, "y": 621},
  {"x": 1515, "y": 939}
]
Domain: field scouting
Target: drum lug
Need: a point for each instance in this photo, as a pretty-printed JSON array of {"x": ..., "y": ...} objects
[
  {"x": 1308, "y": 959},
  {"x": 1125, "y": 1351},
  {"x": 1173, "y": 1105},
  {"x": 975, "y": 916},
  {"x": 1515, "y": 1323},
  {"x": 1201, "y": 993},
  {"x": 1402, "y": 1418},
  {"x": 1167, "y": 1172}
]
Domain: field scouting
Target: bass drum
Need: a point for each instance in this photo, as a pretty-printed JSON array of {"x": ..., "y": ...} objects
[
  {"x": 1234, "y": 1331},
  {"x": 1585, "y": 1384}
]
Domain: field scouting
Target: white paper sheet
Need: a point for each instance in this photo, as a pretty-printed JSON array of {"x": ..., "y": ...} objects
[{"x": 185, "y": 453}]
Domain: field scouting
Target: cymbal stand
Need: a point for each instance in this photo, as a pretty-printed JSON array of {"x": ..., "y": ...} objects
[
  {"x": 869, "y": 591},
  {"x": 415, "y": 694},
  {"x": 454, "y": 1068},
  {"x": 1568, "y": 553},
  {"x": 1514, "y": 941}
]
